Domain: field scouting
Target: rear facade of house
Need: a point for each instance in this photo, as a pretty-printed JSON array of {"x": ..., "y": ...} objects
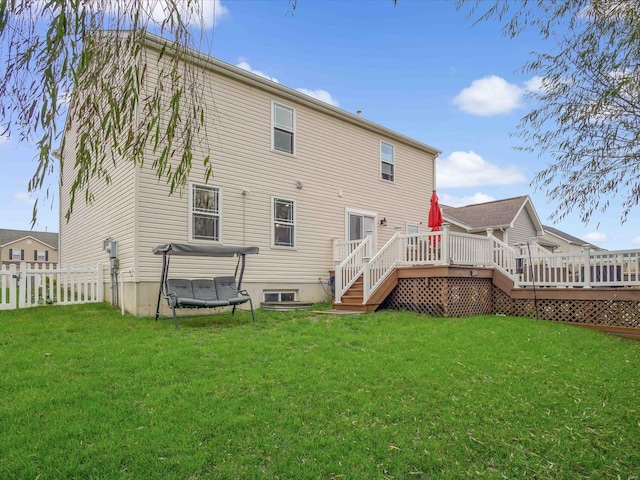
[{"x": 291, "y": 175}]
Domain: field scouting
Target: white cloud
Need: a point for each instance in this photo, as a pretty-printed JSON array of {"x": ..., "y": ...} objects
[
  {"x": 489, "y": 96},
  {"x": 205, "y": 12},
  {"x": 243, "y": 64},
  {"x": 595, "y": 237},
  {"x": 468, "y": 169},
  {"x": 454, "y": 201},
  {"x": 5, "y": 138},
  {"x": 23, "y": 197},
  {"x": 321, "y": 95},
  {"x": 636, "y": 240},
  {"x": 535, "y": 85}
]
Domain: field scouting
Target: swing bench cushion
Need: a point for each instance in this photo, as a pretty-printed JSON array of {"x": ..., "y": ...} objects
[{"x": 205, "y": 293}]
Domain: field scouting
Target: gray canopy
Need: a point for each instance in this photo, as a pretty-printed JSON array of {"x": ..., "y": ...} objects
[{"x": 186, "y": 249}]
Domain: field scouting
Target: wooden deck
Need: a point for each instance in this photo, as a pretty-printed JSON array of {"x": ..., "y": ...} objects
[{"x": 458, "y": 291}]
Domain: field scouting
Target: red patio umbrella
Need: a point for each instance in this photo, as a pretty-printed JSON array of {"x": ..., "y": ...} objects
[{"x": 435, "y": 214}]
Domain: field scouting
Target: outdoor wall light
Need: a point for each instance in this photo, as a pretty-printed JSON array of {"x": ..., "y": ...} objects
[{"x": 383, "y": 221}]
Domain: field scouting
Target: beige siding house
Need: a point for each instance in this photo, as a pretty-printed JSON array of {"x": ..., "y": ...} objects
[
  {"x": 28, "y": 246},
  {"x": 558, "y": 241},
  {"x": 291, "y": 174},
  {"x": 512, "y": 220}
]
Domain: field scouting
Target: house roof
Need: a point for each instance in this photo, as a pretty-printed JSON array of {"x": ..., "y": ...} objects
[
  {"x": 495, "y": 214},
  {"x": 568, "y": 238},
  {"x": 11, "y": 236}
]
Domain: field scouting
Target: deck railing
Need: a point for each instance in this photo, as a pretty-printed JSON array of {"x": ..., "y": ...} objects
[
  {"x": 527, "y": 265},
  {"x": 586, "y": 269},
  {"x": 348, "y": 271}
]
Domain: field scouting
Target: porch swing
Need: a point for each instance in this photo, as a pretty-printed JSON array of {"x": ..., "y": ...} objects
[{"x": 224, "y": 291}]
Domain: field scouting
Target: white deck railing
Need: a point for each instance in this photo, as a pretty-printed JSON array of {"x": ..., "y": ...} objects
[
  {"x": 30, "y": 285},
  {"x": 587, "y": 269},
  {"x": 348, "y": 271},
  {"x": 527, "y": 265}
]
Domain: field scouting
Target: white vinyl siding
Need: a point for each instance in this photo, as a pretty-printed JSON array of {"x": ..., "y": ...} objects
[
  {"x": 387, "y": 161},
  {"x": 523, "y": 230},
  {"x": 204, "y": 214},
  {"x": 284, "y": 223},
  {"x": 283, "y": 128}
]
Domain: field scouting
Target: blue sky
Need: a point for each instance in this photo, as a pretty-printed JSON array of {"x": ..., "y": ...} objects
[{"x": 418, "y": 68}]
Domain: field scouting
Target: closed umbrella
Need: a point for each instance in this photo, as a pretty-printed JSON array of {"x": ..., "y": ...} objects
[{"x": 435, "y": 214}]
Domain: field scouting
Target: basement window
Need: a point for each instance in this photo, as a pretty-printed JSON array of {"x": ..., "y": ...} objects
[{"x": 283, "y": 296}]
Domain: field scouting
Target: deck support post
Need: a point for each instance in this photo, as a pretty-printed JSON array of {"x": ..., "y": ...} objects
[
  {"x": 366, "y": 280},
  {"x": 587, "y": 265},
  {"x": 444, "y": 245}
]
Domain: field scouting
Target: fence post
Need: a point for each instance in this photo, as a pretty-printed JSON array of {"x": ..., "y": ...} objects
[
  {"x": 13, "y": 284},
  {"x": 444, "y": 246},
  {"x": 400, "y": 255},
  {"x": 23, "y": 285},
  {"x": 587, "y": 265},
  {"x": 366, "y": 281},
  {"x": 99, "y": 284}
]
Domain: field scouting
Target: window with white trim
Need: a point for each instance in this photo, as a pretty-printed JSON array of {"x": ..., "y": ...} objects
[
  {"x": 387, "y": 161},
  {"x": 283, "y": 128},
  {"x": 280, "y": 296},
  {"x": 413, "y": 228},
  {"x": 16, "y": 254},
  {"x": 204, "y": 212},
  {"x": 41, "y": 255},
  {"x": 284, "y": 223}
]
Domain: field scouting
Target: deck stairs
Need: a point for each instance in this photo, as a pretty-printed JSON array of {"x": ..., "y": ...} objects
[{"x": 352, "y": 300}]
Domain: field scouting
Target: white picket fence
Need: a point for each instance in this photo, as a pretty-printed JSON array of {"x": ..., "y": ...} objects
[{"x": 26, "y": 285}]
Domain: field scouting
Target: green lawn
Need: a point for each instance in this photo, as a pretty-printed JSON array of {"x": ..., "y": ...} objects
[{"x": 86, "y": 393}]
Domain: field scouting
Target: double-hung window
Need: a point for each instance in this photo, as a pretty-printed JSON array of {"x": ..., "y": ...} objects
[
  {"x": 205, "y": 212},
  {"x": 283, "y": 128},
  {"x": 41, "y": 255},
  {"x": 284, "y": 223},
  {"x": 387, "y": 161},
  {"x": 17, "y": 254}
]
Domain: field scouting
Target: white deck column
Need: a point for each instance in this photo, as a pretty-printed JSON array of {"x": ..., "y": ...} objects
[
  {"x": 444, "y": 245},
  {"x": 587, "y": 265}
]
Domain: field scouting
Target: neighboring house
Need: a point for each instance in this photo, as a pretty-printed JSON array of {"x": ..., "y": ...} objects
[
  {"x": 563, "y": 242},
  {"x": 513, "y": 220},
  {"x": 18, "y": 246},
  {"x": 291, "y": 174}
]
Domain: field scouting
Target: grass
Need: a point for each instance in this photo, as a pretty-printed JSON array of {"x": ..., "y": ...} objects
[{"x": 86, "y": 393}]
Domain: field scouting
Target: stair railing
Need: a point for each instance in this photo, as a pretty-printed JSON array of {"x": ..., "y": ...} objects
[
  {"x": 379, "y": 267},
  {"x": 347, "y": 271}
]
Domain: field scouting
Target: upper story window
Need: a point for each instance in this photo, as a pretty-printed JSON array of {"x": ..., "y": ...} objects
[
  {"x": 283, "y": 128},
  {"x": 41, "y": 255},
  {"x": 284, "y": 223},
  {"x": 204, "y": 212},
  {"x": 16, "y": 254},
  {"x": 387, "y": 161}
]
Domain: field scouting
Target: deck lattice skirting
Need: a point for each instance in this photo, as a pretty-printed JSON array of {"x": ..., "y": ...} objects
[{"x": 613, "y": 310}]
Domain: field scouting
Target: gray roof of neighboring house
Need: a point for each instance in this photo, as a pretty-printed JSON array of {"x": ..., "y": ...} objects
[
  {"x": 10, "y": 236},
  {"x": 568, "y": 238},
  {"x": 499, "y": 213}
]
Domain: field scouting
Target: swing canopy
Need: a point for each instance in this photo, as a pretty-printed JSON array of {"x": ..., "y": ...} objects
[{"x": 189, "y": 250}]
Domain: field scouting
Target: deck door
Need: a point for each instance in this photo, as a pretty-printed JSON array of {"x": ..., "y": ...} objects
[{"x": 359, "y": 223}]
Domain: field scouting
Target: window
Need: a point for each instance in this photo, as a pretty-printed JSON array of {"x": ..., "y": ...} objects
[
  {"x": 283, "y": 128},
  {"x": 41, "y": 255},
  {"x": 16, "y": 254},
  {"x": 284, "y": 223},
  {"x": 279, "y": 296},
  {"x": 387, "y": 159},
  {"x": 413, "y": 228},
  {"x": 205, "y": 213}
]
